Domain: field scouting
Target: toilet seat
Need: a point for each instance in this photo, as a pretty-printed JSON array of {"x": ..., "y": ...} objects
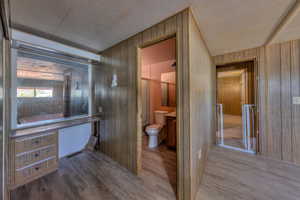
[{"x": 154, "y": 127}]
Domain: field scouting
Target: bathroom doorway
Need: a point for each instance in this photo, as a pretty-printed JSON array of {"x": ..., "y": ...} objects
[
  {"x": 237, "y": 106},
  {"x": 158, "y": 110}
]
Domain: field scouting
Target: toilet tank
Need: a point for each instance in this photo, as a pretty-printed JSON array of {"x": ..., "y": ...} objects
[{"x": 159, "y": 117}]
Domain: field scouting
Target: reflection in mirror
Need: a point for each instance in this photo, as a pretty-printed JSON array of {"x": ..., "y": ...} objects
[{"x": 49, "y": 88}]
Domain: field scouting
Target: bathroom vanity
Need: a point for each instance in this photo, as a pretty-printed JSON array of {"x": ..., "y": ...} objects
[{"x": 171, "y": 130}]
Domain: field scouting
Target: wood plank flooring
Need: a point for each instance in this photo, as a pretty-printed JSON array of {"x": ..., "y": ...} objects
[
  {"x": 159, "y": 169},
  {"x": 92, "y": 175},
  {"x": 231, "y": 175}
]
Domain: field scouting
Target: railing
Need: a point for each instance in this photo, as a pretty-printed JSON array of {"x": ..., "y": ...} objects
[
  {"x": 220, "y": 125},
  {"x": 248, "y": 130},
  {"x": 249, "y": 138}
]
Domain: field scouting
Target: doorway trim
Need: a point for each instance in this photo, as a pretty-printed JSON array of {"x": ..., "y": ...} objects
[
  {"x": 179, "y": 134},
  {"x": 256, "y": 93}
]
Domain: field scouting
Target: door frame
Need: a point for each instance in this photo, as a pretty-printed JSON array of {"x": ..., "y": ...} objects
[
  {"x": 255, "y": 93},
  {"x": 179, "y": 145}
]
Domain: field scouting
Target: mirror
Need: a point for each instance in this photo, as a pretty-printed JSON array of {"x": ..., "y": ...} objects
[{"x": 164, "y": 94}]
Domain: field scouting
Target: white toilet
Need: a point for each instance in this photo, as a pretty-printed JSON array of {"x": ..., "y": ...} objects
[{"x": 154, "y": 130}]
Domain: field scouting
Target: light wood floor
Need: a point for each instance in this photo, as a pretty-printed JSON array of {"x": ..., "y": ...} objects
[
  {"x": 159, "y": 169},
  {"x": 233, "y": 132},
  {"x": 231, "y": 175},
  {"x": 94, "y": 176}
]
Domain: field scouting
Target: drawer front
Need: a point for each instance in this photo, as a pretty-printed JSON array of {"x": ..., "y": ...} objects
[
  {"x": 32, "y": 143},
  {"x": 31, "y": 157},
  {"x": 28, "y": 174}
]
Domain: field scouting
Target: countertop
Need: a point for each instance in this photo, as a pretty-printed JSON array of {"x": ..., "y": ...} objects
[
  {"x": 171, "y": 114},
  {"x": 52, "y": 127}
]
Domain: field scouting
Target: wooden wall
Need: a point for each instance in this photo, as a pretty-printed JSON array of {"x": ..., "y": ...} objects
[
  {"x": 202, "y": 90},
  {"x": 2, "y": 137},
  {"x": 120, "y": 136},
  {"x": 279, "y": 82},
  {"x": 230, "y": 94}
]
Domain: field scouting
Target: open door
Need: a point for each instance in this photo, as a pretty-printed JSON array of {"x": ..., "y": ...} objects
[{"x": 236, "y": 107}]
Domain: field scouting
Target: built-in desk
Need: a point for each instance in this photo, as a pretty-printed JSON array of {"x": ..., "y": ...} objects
[
  {"x": 52, "y": 127},
  {"x": 34, "y": 152}
]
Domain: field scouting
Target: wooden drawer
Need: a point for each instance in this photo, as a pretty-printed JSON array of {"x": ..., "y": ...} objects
[
  {"x": 35, "y": 142},
  {"x": 30, "y": 157},
  {"x": 31, "y": 172}
]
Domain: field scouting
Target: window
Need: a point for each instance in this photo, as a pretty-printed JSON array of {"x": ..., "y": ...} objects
[
  {"x": 43, "y": 92},
  {"x": 34, "y": 92},
  {"x": 48, "y": 87},
  {"x": 25, "y": 92}
]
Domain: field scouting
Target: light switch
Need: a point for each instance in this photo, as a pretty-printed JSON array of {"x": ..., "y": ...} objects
[{"x": 296, "y": 100}]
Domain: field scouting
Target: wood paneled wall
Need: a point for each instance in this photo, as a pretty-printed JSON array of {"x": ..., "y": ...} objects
[
  {"x": 279, "y": 82},
  {"x": 120, "y": 135},
  {"x": 202, "y": 91},
  {"x": 230, "y": 94}
]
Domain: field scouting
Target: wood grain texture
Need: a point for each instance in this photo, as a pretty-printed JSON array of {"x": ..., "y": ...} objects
[
  {"x": 121, "y": 133},
  {"x": 286, "y": 99},
  {"x": 295, "y": 90},
  {"x": 278, "y": 70},
  {"x": 27, "y": 160},
  {"x": 273, "y": 59},
  {"x": 202, "y": 92},
  {"x": 232, "y": 175},
  {"x": 95, "y": 176},
  {"x": 230, "y": 94}
]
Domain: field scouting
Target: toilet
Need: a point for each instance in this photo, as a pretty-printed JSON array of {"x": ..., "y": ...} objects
[{"x": 155, "y": 131}]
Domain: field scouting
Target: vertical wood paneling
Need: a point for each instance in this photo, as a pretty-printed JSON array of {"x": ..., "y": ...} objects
[
  {"x": 279, "y": 82},
  {"x": 274, "y": 101},
  {"x": 262, "y": 100},
  {"x": 295, "y": 90},
  {"x": 201, "y": 107},
  {"x": 286, "y": 99},
  {"x": 185, "y": 98},
  {"x": 180, "y": 142},
  {"x": 120, "y": 133}
]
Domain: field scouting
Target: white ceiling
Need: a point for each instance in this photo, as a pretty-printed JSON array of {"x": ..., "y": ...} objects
[{"x": 227, "y": 25}]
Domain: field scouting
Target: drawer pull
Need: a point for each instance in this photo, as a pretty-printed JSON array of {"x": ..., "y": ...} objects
[
  {"x": 36, "y": 155},
  {"x": 37, "y": 142},
  {"x": 37, "y": 168}
]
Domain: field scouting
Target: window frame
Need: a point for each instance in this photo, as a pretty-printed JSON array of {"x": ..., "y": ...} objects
[{"x": 14, "y": 111}]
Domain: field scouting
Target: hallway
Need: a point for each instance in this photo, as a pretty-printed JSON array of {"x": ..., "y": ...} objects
[{"x": 232, "y": 175}]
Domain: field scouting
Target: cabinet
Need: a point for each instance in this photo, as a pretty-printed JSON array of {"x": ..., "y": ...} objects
[
  {"x": 171, "y": 132},
  {"x": 32, "y": 157}
]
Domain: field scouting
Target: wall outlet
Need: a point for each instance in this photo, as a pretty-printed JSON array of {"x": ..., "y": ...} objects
[
  {"x": 200, "y": 154},
  {"x": 100, "y": 109},
  {"x": 296, "y": 100}
]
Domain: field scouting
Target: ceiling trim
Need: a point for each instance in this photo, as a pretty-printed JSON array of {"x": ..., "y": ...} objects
[
  {"x": 292, "y": 12},
  {"x": 42, "y": 42},
  {"x": 29, "y": 30}
]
